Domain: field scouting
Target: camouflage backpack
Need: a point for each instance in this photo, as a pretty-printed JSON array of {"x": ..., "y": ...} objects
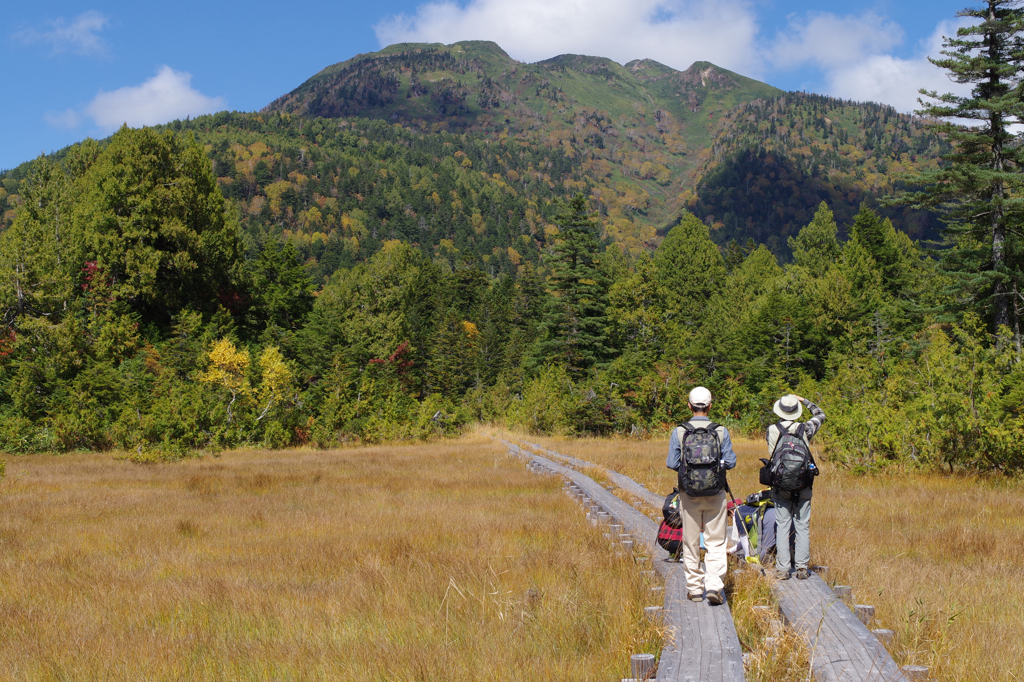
[{"x": 701, "y": 471}]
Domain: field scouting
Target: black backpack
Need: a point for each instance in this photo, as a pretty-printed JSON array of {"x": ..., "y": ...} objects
[
  {"x": 701, "y": 473},
  {"x": 671, "y": 510},
  {"x": 791, "y": 467}
]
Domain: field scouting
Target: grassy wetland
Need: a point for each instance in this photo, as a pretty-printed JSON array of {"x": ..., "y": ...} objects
[
  {"x": 420, "y": 562},
  {"x": 448, "y": 560},
  {"x": 939, "y": 556}
]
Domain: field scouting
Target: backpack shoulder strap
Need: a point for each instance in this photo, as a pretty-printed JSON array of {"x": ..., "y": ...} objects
[
  {"x": 783, "y": 431},
  {"x": 681, "y": 432},
  {"x": 685, "y": 429}
]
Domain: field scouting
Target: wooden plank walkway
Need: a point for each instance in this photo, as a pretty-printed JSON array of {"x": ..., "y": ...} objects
[
  {"x": 842, "y": 647},
  {"x": 624, "y": 482},
  {"x": 702, "y": 644}
]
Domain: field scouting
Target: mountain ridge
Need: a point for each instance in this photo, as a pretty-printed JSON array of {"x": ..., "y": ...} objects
[
  {"x": 636, "y": 125},
  {"x": 644, "y": 141}
]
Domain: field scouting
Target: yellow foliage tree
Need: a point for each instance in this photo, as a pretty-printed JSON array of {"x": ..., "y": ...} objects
[
  {"x": 228, "y": 366},
  {"x": 276, "y": 384}
]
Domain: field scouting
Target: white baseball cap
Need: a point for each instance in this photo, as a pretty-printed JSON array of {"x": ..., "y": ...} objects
[{"x": 700, "y": 397}]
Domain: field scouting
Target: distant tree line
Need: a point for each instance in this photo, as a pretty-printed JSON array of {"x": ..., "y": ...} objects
[{"x": 134, "y": 320}]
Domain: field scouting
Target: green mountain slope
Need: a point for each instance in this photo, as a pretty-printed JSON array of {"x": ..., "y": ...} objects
[
  {"x": 774, "y": 161},
  {"x": 636, "y": 131}
]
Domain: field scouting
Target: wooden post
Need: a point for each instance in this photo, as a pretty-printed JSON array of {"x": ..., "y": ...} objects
[
  {"x": 641, "y": 559},
  {"x": 625, "y": 536},
  {"x": 628, "y": 546},
  {"x": 616, "y": 528},
  {"x": 844, "y": 592},
  {"x": 653, "y": 613},
  {"x": 641, "y": 666},
  {"x": 657, "y": 591},
  {"x": 864, "y": 612},
  {"x": 648, "y": 574},
  {"x": 884, "y": 636},
  {"x": 915, "y": 672}
]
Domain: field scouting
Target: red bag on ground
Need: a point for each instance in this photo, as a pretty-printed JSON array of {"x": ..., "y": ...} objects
[{"x": 670, "y": 539}]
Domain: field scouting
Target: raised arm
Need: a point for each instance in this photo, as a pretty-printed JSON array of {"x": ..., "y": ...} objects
[{"x": 812, "y": 425}]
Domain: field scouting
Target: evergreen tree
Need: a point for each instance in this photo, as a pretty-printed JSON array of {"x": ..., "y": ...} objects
[
  {"x": 574, "y": 327},
  {"x": 691, "y": 269},
  {"x": 281, "y": 290},
  {"x": 155, "y": 222},
  {"x": 978, "y": 191},
  {"x": 816, "y": 248}
]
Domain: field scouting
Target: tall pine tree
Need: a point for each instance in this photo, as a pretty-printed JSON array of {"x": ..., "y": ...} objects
[
  {"x": 979, "y": 190},
  {"x": 573, "y": 331}
]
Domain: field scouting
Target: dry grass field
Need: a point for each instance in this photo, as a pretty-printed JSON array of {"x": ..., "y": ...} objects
[
  {"x": 446, "y": 561},
  {"x": 940, "y": 557}
]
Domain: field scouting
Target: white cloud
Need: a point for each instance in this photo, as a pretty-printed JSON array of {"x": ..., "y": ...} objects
[
  {"x": 896, "y": 81},
  {"x": 831, "y": 41},
  {"x": 674, "y": 32},
  {"x": 80, "y": 36},
  {"x": 67, "y": 119},
  {"x": 164, "y": 97}
]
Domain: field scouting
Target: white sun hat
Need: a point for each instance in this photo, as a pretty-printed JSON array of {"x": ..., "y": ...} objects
[
  {"x": 700, "y": 397},
  {"x": 788, "y": 407}
]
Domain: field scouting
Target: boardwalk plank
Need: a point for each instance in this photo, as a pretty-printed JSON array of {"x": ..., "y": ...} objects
[{"x": 842, "y": 647}]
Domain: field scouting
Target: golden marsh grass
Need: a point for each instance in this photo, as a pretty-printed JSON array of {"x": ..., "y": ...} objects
[
  {"x": 420, "y": 562},
  {"x": 938, "y": 556}
]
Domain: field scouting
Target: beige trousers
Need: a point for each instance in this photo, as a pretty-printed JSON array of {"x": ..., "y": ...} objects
[{"x": 707, "y": 515}]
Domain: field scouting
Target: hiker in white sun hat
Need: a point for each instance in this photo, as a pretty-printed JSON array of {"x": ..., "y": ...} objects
[
  {"x": 788, "y": 407},
  {"x": 790, "y": 471},
  {"x": 701, "y": 452}
]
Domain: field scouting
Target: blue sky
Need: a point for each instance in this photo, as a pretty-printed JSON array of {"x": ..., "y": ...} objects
[{"x": 78, "y": 69}]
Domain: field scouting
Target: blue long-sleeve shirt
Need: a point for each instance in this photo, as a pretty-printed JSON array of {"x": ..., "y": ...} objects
[{"x": 675, "y": 449}]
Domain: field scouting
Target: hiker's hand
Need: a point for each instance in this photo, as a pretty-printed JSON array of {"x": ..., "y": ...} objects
[{"x": 798, "y": 397}]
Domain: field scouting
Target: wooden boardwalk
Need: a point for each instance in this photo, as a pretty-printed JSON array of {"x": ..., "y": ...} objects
[
  {"x": 701, "y": 647},
  {"x": 842, "y": 647},
  {"x": 702, "y": 644},
  {"x": 624, "y": 482}
]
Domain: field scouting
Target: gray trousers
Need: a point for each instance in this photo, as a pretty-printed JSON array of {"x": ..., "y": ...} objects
[{"x": 796, "y": 514}]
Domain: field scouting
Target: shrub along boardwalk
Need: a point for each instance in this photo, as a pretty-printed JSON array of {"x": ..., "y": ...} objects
[
  {"x": 842, "y": 648},
  {"x": 702, "y": 642}
]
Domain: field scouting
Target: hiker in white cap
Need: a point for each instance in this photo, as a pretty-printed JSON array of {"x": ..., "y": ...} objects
[
  {"x": 701, "y": 451},
  {"x": 792, "y": 479}
]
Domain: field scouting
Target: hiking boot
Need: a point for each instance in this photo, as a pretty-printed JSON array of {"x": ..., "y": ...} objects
[
  {"x": 715, "y": 597},
  {"x": 779, "y": 575},
  {"x": 695, "y": 597},
  {"x": 802, "y": 574}
]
